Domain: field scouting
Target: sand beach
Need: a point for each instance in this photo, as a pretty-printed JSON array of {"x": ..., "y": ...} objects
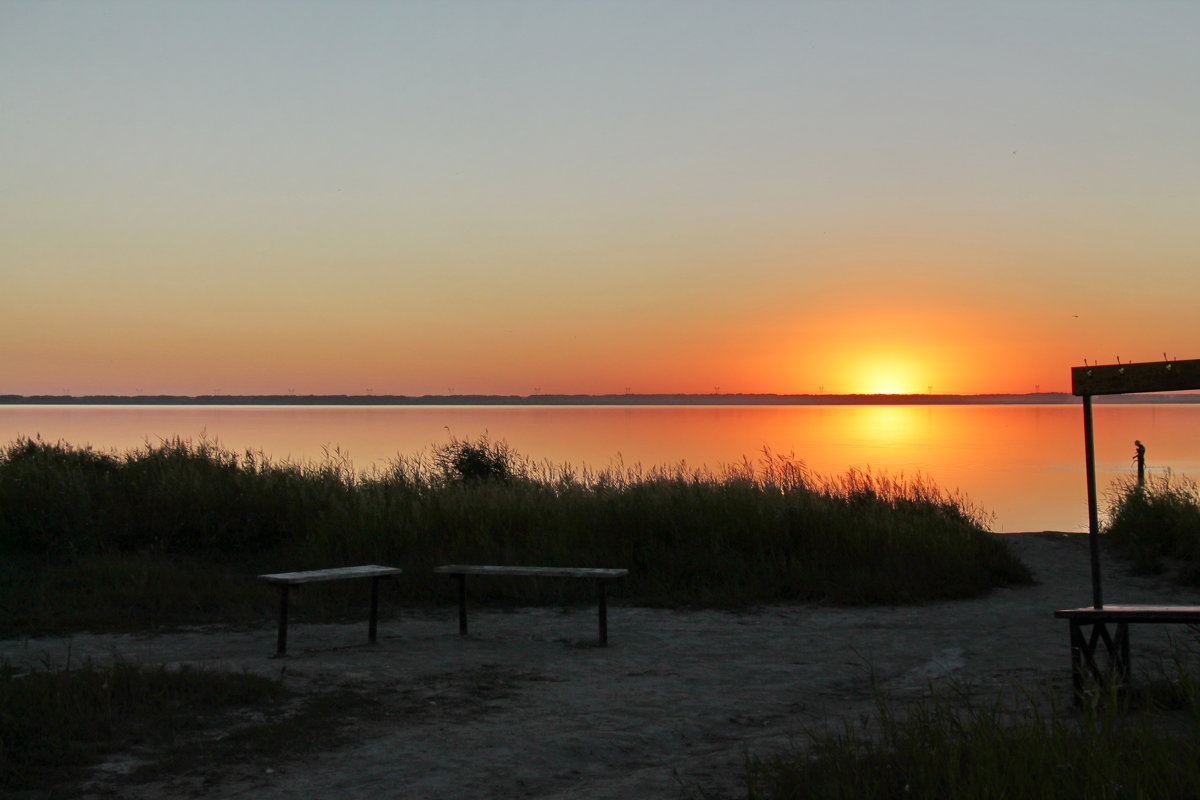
[{"x": 528, "y": 707}]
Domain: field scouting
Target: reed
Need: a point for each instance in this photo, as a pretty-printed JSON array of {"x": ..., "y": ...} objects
[
  {"x": 752, "y": 533},
  {"x": 1160, "y": 520}
]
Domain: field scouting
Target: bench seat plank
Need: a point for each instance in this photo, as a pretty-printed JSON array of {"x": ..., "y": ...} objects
[
  {"x": 532, "y": 572},
  {"x": 338, "y": 573},
  {"x": 1133, "y": 613}
]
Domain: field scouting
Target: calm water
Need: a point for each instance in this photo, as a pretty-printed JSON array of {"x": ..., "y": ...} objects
[{"x": 1023, "y": 464}]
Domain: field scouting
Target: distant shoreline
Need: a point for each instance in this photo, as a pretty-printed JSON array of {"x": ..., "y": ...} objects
[{"x": 1038, "y": 398}]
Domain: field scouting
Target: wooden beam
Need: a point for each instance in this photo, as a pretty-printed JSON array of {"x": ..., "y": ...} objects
[{"x": 1152, "y": 376}]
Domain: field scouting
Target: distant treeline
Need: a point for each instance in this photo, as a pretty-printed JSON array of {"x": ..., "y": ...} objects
[{"x": 1035, "y": 398}]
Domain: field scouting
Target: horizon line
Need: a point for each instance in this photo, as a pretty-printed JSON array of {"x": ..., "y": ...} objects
[{"x": 625, "y": 398}]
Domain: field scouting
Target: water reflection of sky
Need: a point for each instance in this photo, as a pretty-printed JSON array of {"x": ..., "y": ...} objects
[{"x": 1022, "y": 463}]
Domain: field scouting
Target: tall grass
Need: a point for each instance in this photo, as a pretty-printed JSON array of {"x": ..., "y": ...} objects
[
  {"x": 1156, "y": 521},
  {"x": 961, "y": 747},
  {"x": 755, "y": 532},
  {"x": 55, "y": 722}
]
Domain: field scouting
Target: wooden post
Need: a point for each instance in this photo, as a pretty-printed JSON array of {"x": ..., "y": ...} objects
[
  {"x": 462, "y": 603},
  {"x": 281, "y": 641},
  {"x": 1093, "y": 512},
  {"x": 1139, "y": 455},
  {"x": 602, "y": 597},
  {"x": 371, "y": 626},
  {"x": 1077, "y": 648},
  {"x": 1123, "y": 666}
]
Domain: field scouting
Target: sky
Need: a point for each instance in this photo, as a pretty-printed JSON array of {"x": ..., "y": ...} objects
[{"x": 510, "y": 197}]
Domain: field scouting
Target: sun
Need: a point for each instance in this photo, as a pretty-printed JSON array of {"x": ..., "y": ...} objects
[
  {"x": 888, "y": 376},
  {"x": 890, "y": 362}
]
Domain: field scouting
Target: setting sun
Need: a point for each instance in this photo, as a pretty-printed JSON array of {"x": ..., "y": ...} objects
[
  {"x": 887, "y": 376},
  {"x": 889, "y": 382}
]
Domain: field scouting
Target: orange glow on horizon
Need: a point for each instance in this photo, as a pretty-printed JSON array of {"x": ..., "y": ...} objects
[
  {"x": 907, "y": 346},
  {"x": 916, "y": 367},
  {"x": 888, "y": 376}
]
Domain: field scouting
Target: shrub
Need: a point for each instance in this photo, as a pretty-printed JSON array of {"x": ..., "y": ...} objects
[{"x": 482, "y": 460}]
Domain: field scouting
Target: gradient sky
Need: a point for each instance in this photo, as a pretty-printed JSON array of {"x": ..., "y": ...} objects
[{"x": 512, "y": 197}]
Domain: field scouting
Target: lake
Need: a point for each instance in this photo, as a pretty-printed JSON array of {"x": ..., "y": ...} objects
[{"x": 1022, "y": 464}]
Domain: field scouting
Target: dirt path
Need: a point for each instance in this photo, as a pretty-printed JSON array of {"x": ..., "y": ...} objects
[{"x": 525, "y": 707}]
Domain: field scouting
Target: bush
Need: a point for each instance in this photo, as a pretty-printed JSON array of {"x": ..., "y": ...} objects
[{"x": 483, "y": 460}]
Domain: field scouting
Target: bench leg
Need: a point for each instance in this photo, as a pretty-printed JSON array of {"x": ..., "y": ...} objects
[
  {"x": 372, "y": 625},
  {"x": 1084, "y": 656},
  {"x": 602, "y": 599},
  {"x": 462, "y": 603},
  {"x": 281, "y": 641},
  {"x": 1077, "y": 648},
  {"x": 1124, "y": 672},
  {"x": 1117, "y": 646}
]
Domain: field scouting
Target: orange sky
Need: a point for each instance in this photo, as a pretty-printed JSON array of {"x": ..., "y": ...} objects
[{"x": 765, "y": 197}]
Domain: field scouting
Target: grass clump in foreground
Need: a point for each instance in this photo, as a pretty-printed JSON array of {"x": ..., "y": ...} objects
[
  {"x": 172, "y": 533},
  {"x": 1159, "y": 520},
  {"x": 55, "y": 723},
  {"x": 963, "y": 748}
]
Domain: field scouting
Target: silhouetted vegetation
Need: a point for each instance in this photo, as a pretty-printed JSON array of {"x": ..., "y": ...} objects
[
  {"x": 482, "y": 460},
  {"x": 55, "y": 722},
  {"x": 174, "y": 532},
  {"x": 960, "y": 747},
  {"x": 1159, "y": 520}
]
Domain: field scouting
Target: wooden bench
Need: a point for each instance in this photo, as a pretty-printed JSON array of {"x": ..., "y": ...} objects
[
  {"x": 602, "y": 577},
  {"x": 1084, "y": 662},
  {"x": 286, "y": 580}
]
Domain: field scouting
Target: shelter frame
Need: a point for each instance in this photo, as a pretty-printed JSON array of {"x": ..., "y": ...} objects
[{"x": 1134, "y": 378}]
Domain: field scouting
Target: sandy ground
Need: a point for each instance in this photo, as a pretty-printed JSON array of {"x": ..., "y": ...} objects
[{"x": 528, "y": 707}]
